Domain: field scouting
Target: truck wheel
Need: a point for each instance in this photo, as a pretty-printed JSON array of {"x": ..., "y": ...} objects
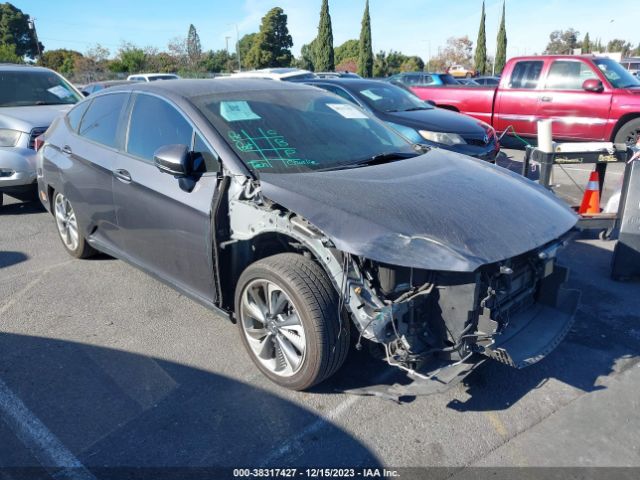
[
  {"x": 287, "y": 311},
  {"x": 68, "y": 229},
  {"x": 629, "y": 132}
]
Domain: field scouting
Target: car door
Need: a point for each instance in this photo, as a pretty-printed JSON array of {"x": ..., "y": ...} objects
[
  {"x": 516, "y": 103},
  {"x": 91, "y": 150},
  {"x": 576, "y": 113},
  {"x": 167, "y": 229}
]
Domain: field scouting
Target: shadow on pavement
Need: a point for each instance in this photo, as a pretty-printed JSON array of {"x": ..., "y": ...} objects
[
  {"x": 11, "y": 258},
  {"x": 604, "y": 339},
  {"x": 22, "y": 208},
  {"x": 112, "y": 408}
]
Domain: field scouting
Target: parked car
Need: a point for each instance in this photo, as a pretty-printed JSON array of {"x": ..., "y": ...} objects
[
  {"x": 422, "y": 79},
  {"x": 487, "y": 81},
  {"x": 417, "y": 120},
  {"x": 30, "y": 99},
  {"x": 588, "y": 98},
  {"x": 460, "y": 71},
  {"x": 95, "y": 87},
  {"x": 337, "y": 75},
  {"x": 469, "y": 82},
  {"x": 283, "y": 74},
  {"x": 295, "y": 213},
  {"x": 152, "y": 77}
]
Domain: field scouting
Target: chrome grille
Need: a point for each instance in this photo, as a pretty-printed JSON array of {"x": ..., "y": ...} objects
[{"x": 35, "y": 133}]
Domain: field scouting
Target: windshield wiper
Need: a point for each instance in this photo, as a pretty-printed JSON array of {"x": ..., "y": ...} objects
[
  {"x": 374, "y": 160},
  {"x": 413, "y": 109},
  {"x": 42, "y": 102}
]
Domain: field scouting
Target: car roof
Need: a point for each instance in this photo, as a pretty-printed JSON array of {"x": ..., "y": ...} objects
[
  {"x": 195, "y": 87},
  {"x": 112, "y": 82},
  {"x": 347, "y": 82},
  {"x": 7, "y": 67},
  {"x": 273, "y": 73}
]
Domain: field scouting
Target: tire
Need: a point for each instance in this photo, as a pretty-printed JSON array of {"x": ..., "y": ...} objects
[
  {"x": 68, "y": 229},
  {"x": 302, "y": 315},
  {"x": 629, "y": 132}
]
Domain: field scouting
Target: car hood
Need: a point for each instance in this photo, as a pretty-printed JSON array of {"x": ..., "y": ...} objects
[
  {"x": 437, "y": 120},
  {"x": 27, "y": 118},
  {"x": 437, "y": 211}
]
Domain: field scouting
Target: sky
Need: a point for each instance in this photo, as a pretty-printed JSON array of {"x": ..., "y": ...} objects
[{"x": 414, "y": 27}]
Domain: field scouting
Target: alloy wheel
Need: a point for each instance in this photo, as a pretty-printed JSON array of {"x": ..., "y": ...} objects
[
  {"x": 272, "y": 327},
  {"x": 66, "y": 222}
]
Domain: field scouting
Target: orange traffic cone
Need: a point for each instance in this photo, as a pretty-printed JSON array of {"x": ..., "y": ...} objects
[{"x": 591, "y": 200}]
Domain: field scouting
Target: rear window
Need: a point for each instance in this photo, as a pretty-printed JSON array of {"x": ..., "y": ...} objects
[
  {"x": 101, "y": 120},
  {"x": 28, "y": 87},
  {"x": 526, "y": 74},
  {"x": 568, "y": 75}
]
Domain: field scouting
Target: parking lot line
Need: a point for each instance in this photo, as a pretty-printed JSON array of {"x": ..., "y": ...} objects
[
  {"x": 44, "y": 445},
  {"x": 20, "y": 292}
]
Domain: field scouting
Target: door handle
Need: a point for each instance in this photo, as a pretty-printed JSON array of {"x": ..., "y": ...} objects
[
  {"x": 546, "y": 99},
  {"x": 122, "y": 175},
  {"x": 67, "y": 150}
]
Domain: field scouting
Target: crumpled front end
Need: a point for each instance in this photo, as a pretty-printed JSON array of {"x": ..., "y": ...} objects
[{"x": 439, "y": 326}]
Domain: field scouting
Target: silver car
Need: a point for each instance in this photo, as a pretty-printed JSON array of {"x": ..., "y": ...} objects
[{"x": 30, "y": 99}]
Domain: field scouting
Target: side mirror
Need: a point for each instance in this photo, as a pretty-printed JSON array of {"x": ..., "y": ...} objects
[
  {"x": 85, "y": 93},
  {"x": 592, "y": 85},
  {"x": 173, "y": 159},
  {"x": 431, "y": 102}
]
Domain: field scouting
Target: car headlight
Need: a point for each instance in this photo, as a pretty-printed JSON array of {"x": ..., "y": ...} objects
[
  {"x": 9, "y": 138},
  {"x": 442, "y": 137}
]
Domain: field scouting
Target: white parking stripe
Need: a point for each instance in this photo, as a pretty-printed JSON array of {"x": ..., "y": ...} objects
[{"x": 43, "y": 444}]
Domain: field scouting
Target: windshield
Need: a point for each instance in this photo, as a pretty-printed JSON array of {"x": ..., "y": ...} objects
[
  {"x": 153, "y": 78},
  {"x": 34, "y": 87},
  {"x": 285, "y": 131},
  {"x": 616, "y": 73},
  {"x": 389, "y": 98}
]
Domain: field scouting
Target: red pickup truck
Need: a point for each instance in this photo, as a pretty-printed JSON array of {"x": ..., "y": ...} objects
[{"x": 588, "y": 98}]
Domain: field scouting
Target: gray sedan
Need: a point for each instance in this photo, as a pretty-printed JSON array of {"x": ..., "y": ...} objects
[{"x": 298, "y": 215}]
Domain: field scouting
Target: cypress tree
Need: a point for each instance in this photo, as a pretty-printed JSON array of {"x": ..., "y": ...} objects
[
  {"x": 194, "y": 49},
  {"x": 324, "y": 56},
  {"x": 481, "y": 46},
  {"x": 586, "y": 44},
  {"x": 365, "y": 57},
  {"x": 501, "y": 51}
]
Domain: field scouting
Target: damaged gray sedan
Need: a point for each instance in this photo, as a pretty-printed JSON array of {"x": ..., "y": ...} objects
[{"x": 309, "y": 224}]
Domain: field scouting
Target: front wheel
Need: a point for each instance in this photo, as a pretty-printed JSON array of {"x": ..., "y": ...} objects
[
  {"x": 287, "y": 311},
  {"x": 629, "y": 133},
  {"x": 67, "y": 222}
]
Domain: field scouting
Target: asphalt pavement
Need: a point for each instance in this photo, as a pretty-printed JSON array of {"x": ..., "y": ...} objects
[{"x": 102, "y": 366}]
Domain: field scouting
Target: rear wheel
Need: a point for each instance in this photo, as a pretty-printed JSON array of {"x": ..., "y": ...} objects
[
  {"x": 629, "y": 132},
  {"x": 287, "y": 312},
  {"x": 67, "y": 223}
]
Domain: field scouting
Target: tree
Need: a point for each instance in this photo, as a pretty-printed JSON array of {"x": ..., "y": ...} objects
[
  {"x": 348, "y": 65},
  {"x": 562, "y": 41},
  {"x": 501, "y": 49},
  {"x": 306, "y": 59},
  {"x": 8, "y": 54},
  {"x": 60, "y": 60},
  {"x": 272, "y": 46},
  {"x": 244, "y": 46},
  {"x": 394, "y": 61},
  {"x": 349, "y": 49},
  {"x": 93, "y": 64},
  {"x": 618, "y": 45},
  {"x": 365, "y": 57},
  {"x": 130, "y": 59},
  {"x": 323, "y": 59},
  {"x": 218, "y": 61},
  {"x": 456, "y": 52},
  {"x": 380, "y": 66},
  {"x": 412, "y": 64},
  {"x": 194, "y": 49},
  {"x": 15, "y": 30},
  {"x": 481, "y": 46},
  {"x": 586, "y": 44}
]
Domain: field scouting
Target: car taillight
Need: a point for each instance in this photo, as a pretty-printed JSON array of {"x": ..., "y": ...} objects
[{"x": 38, "y": 143}]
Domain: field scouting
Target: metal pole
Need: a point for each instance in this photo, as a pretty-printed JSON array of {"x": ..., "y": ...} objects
[
  {"x": 32, "y": 26},
  {"x": 238, "y": 47},
  {"x": 226, "y": 39}
]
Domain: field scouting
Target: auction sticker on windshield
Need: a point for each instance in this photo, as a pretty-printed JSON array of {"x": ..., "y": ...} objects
[
  {"x": 59, "y": 91},
  {"x": 347, "y": 111},
  {"x": 238, "y": 111}
]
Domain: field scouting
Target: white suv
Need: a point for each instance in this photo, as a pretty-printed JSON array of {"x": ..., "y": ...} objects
[{"x": 283, "y": 74}]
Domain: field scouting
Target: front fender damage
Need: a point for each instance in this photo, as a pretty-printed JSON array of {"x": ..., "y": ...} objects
[{"x": 437, "y": 326}]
